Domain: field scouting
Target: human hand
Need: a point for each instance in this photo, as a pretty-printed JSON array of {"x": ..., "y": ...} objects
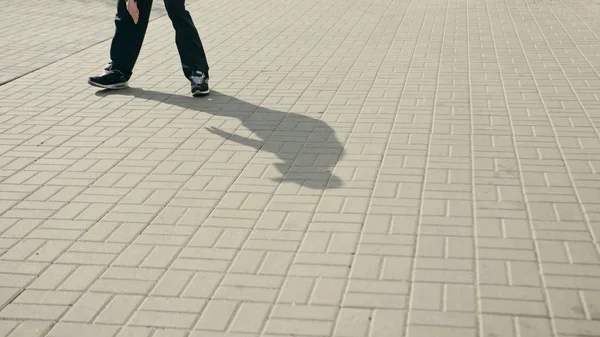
[{"x": 133, "y": 10}]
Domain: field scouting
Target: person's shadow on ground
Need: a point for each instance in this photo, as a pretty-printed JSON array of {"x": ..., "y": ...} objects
[{"x": 308, "y": 147}]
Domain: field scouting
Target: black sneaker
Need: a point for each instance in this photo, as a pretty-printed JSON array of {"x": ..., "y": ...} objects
[
  {"x": 111, "y": 79},
  {"x": 199, "y": 84}
]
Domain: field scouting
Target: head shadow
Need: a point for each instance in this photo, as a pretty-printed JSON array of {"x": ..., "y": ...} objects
[{"x": 307, "y": 148}]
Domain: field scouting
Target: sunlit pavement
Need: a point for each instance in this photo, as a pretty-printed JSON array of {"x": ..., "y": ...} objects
[{"x": 379, "y": 168}]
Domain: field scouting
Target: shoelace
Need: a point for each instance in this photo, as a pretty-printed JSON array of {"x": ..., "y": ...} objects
[
  {"x": 198, "y": 79},
  {"x": 112, "y": 71}
]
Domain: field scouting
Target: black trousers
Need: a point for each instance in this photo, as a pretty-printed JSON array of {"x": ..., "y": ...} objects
[{"x": 128, "y": 39}]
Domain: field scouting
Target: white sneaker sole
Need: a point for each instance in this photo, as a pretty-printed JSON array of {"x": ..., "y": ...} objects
[
  {"x": 198, "y": 93},
  {"x": 122, "y": 85}
]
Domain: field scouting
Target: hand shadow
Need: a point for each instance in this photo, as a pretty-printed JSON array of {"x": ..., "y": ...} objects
[{"x": 307, "y": 147}]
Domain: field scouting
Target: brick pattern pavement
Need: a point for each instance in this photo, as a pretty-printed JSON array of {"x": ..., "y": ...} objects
[
  {"x": 364, "y": 168},
  {"x": 36, "y": 33}
]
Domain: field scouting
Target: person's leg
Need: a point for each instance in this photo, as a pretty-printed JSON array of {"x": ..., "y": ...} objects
[
  {"x": 125, "y": 47},
  {"x": 190, "y": 48},
  {"x": 129, "y": 36}
]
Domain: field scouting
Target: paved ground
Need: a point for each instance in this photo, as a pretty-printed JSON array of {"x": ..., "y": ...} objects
[
  {"x": 36, "y": 33},
  {"x": 379, "y": 168}
]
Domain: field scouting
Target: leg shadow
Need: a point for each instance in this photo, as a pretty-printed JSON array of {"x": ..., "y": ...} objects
[{"x": 308, "y": 148}]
